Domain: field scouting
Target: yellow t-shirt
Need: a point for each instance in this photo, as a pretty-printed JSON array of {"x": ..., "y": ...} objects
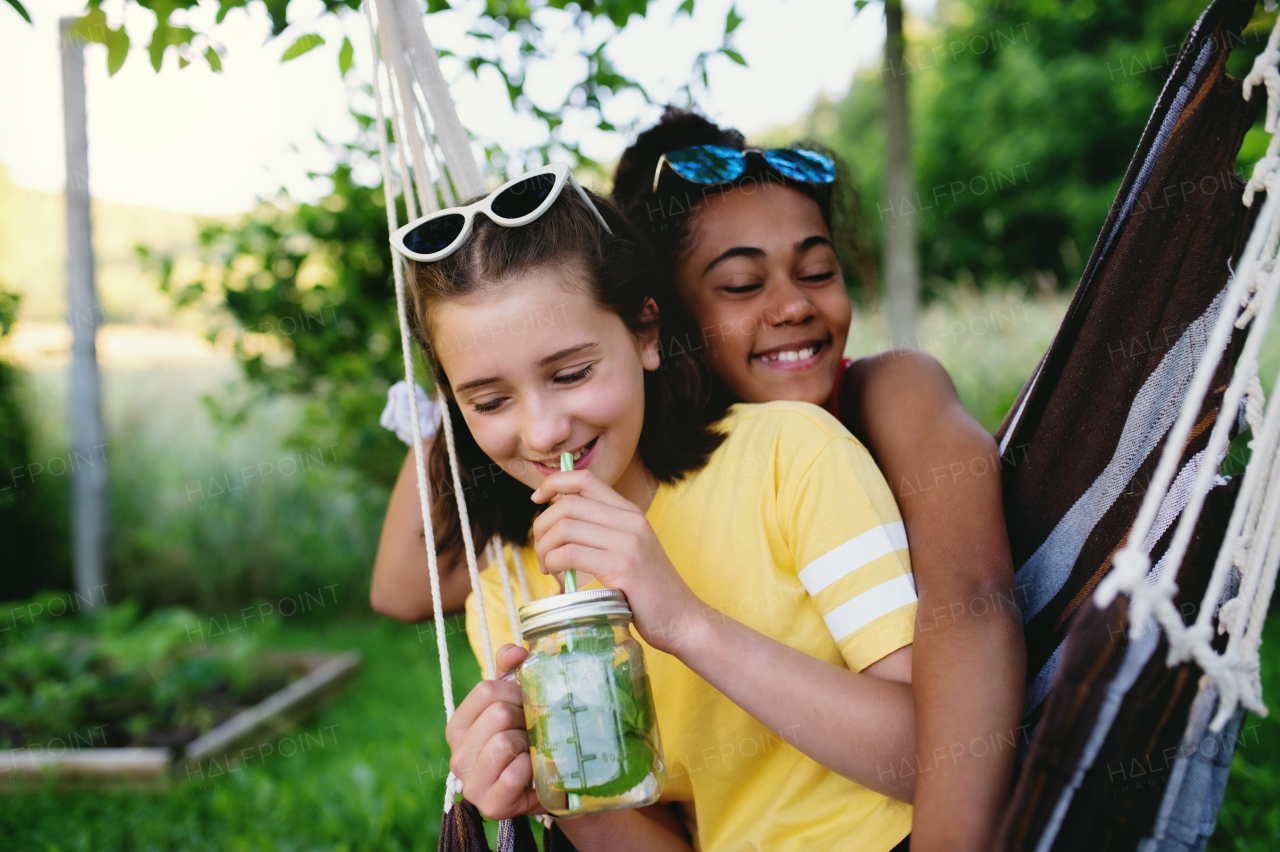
[{"x": 792, "y": 530}]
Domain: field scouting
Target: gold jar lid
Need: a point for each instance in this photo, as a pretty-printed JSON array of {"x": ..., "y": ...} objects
[{"x": 559, "y": 610}]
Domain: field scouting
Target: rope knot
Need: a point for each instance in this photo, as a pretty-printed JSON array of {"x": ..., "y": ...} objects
[
  {"x": 1250, "y": 668},
  {"x": 1147, "y": 602},
  {"x": 452, "y": 790},
  {"x": 1264, "y": 71},
  {"x": 1128, "y": 570},
  {"x": 1262, "y": 178},
  {"x": 1255, "y": 403},
  {"x": 1240, "y": 557},
  {"x": 1189, "y": 644},
  {"x": 1229, "y": 617}
]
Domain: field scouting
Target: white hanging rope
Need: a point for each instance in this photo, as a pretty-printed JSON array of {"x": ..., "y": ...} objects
[
  {"x": 407, "y": 190},
  {"x": 393, "y": 56},
  {"x": 407, "y": 347},
  {"x": 524, "y": 582},
  {"x": 406, "y": 184},
  {"x": 435, "y": 166},
  {"x": 468, "y": 544},
  {"x": 1252, "y": 541},
  {"x": 393, "y": 19},
  {"x": 463, "y": 171},
  {"x": 496, "y": 557}
]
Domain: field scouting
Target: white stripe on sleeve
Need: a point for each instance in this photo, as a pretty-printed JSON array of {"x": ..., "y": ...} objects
[
  {"x": 879, "y": 600},
  {"x": 846, "y": 558}
]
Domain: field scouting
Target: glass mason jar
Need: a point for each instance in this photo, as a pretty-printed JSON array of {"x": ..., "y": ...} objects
[{"x": 593, "y": 732}]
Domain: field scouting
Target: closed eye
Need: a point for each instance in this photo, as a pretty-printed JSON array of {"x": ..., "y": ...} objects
[
  {"x": 745, "y": 288},
  {"x": 574, "y": 377},
  {"x": 488, "y": 405},
  {"x": 821, "y": 276}
]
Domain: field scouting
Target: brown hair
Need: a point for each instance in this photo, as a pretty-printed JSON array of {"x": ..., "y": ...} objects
[
  {"x": 664, "y": 216},
  {"x": 618, "y": 272}
]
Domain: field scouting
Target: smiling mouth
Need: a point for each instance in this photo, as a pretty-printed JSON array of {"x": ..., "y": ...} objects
[
  {"x": 794, "y": 355},
  {"x": 554, "y": 464}
]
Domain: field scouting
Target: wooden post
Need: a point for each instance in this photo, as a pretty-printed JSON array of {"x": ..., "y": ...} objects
[
  {"x": 84, "y": 408},
  {"x": 901, "y": 266}
]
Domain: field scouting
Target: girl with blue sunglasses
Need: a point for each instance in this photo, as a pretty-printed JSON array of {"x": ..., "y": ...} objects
[{"x": 754, "y": 244}]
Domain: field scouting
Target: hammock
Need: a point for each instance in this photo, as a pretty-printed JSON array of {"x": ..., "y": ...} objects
[
  {"x": 1116, "y": 437},
  {"x": 1101, "y": 456}
]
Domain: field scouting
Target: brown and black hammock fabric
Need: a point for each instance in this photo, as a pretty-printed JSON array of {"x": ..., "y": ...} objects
[{"x": 1122, "y": 753}]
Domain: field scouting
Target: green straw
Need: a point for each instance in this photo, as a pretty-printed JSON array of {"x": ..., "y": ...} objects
[
  {"x": 570, "y": 576},
  {"x": 571, "y": 585}
]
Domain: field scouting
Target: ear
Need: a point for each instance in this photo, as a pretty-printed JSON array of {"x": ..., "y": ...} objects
[{"x": 650, "y": 339}]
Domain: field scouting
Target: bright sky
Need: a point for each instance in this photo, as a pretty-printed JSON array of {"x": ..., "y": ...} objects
[{"x": 197, "y": 141}]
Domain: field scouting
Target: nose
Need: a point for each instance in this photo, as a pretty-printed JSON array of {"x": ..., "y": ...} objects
[
  {"x": 789, "y": 305},
  {"x": 545, "y": 427}
]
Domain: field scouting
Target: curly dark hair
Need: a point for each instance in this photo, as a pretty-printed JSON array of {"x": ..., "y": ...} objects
[
  {"x": 665, "y": 217},
  {"x": 618, "y": 272}
]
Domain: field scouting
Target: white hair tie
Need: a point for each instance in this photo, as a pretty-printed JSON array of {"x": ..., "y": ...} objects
[{"x": 397, "y": 418}]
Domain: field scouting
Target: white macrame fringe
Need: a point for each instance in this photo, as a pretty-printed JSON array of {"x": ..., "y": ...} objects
[
  {"x": 422, "y": 115},
  {"x": 1251, "y": 545}
]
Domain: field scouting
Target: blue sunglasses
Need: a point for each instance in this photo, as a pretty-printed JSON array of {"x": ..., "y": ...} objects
[{"x": 712, "y": 164}]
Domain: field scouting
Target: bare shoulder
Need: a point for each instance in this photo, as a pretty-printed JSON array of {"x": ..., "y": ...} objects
[
  {"x": 904, "y": 372},
  {"x": 902, "y": 383}
]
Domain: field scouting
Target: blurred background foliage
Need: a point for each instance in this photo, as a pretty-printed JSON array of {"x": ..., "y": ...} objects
[
  {"x": 308, "y": 288},
  {"x": 34, "y": 521},
  {"x": 1024, "y": 116}
]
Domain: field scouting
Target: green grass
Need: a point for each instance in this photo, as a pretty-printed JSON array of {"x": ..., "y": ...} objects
[{"x": 369, "y": 773}]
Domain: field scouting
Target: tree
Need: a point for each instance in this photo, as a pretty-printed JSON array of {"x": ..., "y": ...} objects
[
  {"x": 901, "y": 266},
  {"x": 1024, "y": 119}
]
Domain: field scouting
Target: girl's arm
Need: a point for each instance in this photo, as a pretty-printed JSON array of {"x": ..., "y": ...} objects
[
  {"x": 489, "y": 746},
  {"x": 651, "y": 829},
  {"x": 401, "y": 586},
  {"x": 969, "y": 660},
  {"x": 811, "y": 704}
]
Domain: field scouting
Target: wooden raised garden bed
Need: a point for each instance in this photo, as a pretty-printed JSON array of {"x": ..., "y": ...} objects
[{"x": 326, "y": 674}]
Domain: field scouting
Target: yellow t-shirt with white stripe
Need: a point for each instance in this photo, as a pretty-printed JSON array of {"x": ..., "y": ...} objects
[{"x": 792, "y": 530}]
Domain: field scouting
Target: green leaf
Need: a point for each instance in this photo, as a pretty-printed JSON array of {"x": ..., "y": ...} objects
[
  {"x": 90, "y": 26},
  {"x": 278, "y": 10},
  {"x": 859, "y": 5},
  {"x": 17, "y": 7},
  {"x": 166, "y": 35},
  {"x": 301, "y": 46},
  {"x": 344, "y": 57},
  {"x": 735, "y": 56},
  {"x": 225, "y": 6},
  {"x": 93, "y": 28},
  {"x": 117, "y": 49},
  {"x": 732, "y": 20},
  {"x": 686, "y": 7},
  {"x": 437, "y": 6},
  {"x": 214, "y": 60}
]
